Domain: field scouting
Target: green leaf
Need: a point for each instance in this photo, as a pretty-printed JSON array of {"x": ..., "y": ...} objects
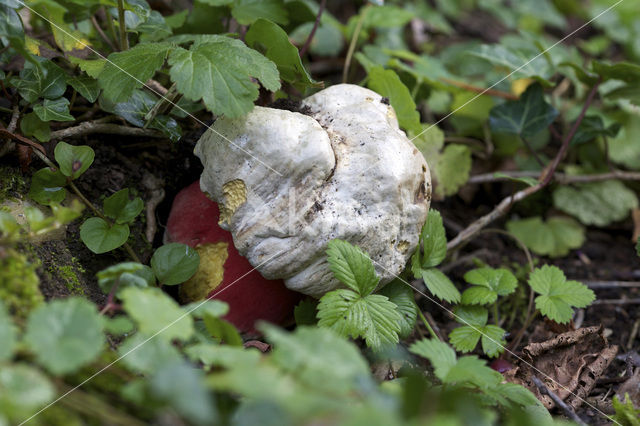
[
  {"x": 120, "y": 208},
  {"x": 596, "y": 203},
  {"x": 128, "y": 273},
  {"x": 525, "y": 117},
  {"x": 92, "y": 67},
  {"x": 44, "y": 79},
  {"x": 145, "y": 355},
  {"x": 181, "y": 386},
  {"x": 465, "y": 338},
  {"x": 591, "y": 127},
  {"x": 305, "y": 312},
  {"x": 118, "y": 326},
  {"x": 557, "y": 295},
  {"x": 8, "y": 224},
  {"x": 73, "y": 160},
  {"x": 65, "y": 335},
  {"x": 452, "y": 169},
  {"x": 475, "y": 329},
  {"x": 327, "y": 41},
  {"x": 489, "y": 284},
  {"x": 221, "y": 355},
  {"x": 401, "y": 295},
  {"x": 510, "y": 60},
  {"x": 625, "y": 413},
  {"x": 638, "y": 247},
  {"x": 471, "y": 369},
  {"x": 157, "y": 314},
  {"x": 434, "y": 240},
  {"x": 174, "y": 263},
  {"x": 7, "y": 334},
  {"x": 352, "y": 267},
  {"x": 439, "y": 354},
  {"x": 23, "y": 391},
  {"x": 273, "y": 42},
  {"x": 87, "y": 87},
  {"x": 372, "y": 317},
  {"x": 47, "y": 186},
  {"x": 387, "y": 17},
  {"x": 387, "y": 83},
  {"x": 129, "y": 70},
  {"x": 31, "y": 125},
  {"x": 222, "y": 330},
  {"x": 211, "y": 307},
  {"x": 248, "y": 11},
  {"x": 219, "y": 72},
  {"x": 53, "y": 110},
  {"x": 554, "y": 238},
  {"x": 529, "y": 181},
  {"x": 99, "y": 237},
  {"x": 440, "y": 285},
  {"x": 624, "y": 71}
]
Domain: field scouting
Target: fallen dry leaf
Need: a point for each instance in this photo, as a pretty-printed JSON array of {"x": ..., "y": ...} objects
[{"x": 568, "y": 364}]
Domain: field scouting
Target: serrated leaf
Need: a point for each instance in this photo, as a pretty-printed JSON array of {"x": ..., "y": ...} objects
[
  {"x": 99, "y": 237},
  {"x": 439, "y": 354},
  {"x": 471, "y": 369},
  {"x": 596, "y": 203},
  {"x": 554, "y": 238},
  {"x": 65, "y": 334},
  {"x": 42, "y": 79},
  {"x": 120, "y": 208},
  {"x": 401, "y": 295},
  {"x": 129, "y": 70},
  {"x": 452, "y": 169},
  {"x": 525, "y": 117},
  {"x": 157, "y": 314},
  {"x": 174, "y": 263},
  {"x": 73, "y": 160},
  {"x": 352, "y": 267},
  {"x": 387, "y": 83},
  {"x": 434, "y": 240},
  {"x": 53, "y": 110},
  {"x": 490, "y": 283},
  {"x": 440, "y": 285},
  {"x": 7, "y": 334},
  {"x": 31, "y": 125},
  {"x": 219, "y": 72},
  {"x": 273, "y": 42},
  {"x": 465, "y": 338},
  {"x": 248, "y": 11},
  {"x": 222, "y": 330},
  {"x": 557, "y": 295},
  {"x": 86, "y": 86},
  {"x": 372, "y": 317},
  {"x": 93, "y": 67},
  {"x": 48, "y": 186}
]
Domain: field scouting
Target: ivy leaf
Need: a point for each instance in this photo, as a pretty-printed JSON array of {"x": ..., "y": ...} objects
[
  {"x": 373, "y": 317},
  {"x": 87, "y": 87},
  {"x": 554, "y": 238},
  {"x": 99, "y": 237},
  {"x": 401, "y": 295},
  {"x": 65, "y": 335},
  {"x": 219, "y": 72},
  {"x": 53, "y": 110},
  {"x": 47, "y": 186},
  {"x": 439, "y": 354},
  {"x": 7, "y": 334},
  {"x": 248, "y": 11},
  {"x": 387, "y": 83},
  {"x": 273, "y": 42},
  {"x": 525, "y": 117},
  {"x": 73, "y": 160},
  {"x": 157, "y": 314},
  {"x": 174, "y": 263},
  {"x": 120, "y": 208},
  {"x": 129, "y": 70},
  {"x": 475, "y": 328},
  {"x": 352, "y": 267},
  {"x": 591, "y": 127},
  {"x": 434, "y": 240},
  {"x": 488, "y": 284},
  {"x": 452, "y": 169},
  {"x": 31, "y": 125},
  {"x": 42, "y": 79},
  {"x": 596, "y": 203},
  {"x": 558, "y": 296},
  {"x": 440, "y": 285}
]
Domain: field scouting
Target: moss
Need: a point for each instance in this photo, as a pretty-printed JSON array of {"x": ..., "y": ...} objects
[
  {"x": 12, "y": 183},
  {"x": 18, "y": 283},
  {"x": 68, "y": 274}
]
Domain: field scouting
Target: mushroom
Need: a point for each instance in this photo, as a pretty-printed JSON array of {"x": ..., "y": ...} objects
[{"x": 289, "y": 182}]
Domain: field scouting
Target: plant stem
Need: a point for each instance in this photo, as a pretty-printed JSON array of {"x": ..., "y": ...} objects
[
  {"x": 110, "y": 26},
  {"x": 124, "y": 42},
  {"x": 426, "y": 324},
  {"x": 561, "y": 178},
  {"x": 496, "y": 317},
  {"x": 307, "y": 43},
  {"x": 104, "y": 37},
  {"x": 354, "y": 42}
]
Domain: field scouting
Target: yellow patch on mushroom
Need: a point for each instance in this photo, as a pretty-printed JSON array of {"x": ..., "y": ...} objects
[
  {"x": 235, "y": 195},
  {"x": 209, "y": 274}
]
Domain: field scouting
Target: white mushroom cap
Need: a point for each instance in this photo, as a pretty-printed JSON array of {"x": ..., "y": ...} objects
[{"x": 345, "y": 171}]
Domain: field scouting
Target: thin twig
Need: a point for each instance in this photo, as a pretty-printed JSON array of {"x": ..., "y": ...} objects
[
  {"x": 307, "y": 43},
  {"x": 13, "y": 123},
  {"x": 354, "y": 42},
  {"x": 104, "y": 37},
  {"x": 558, "y": 177},
  {"x": 568, "y": 411},
  {"x": 90, "y": 127},
  {"x": 635, "y": 301},
  {"x": 475, "y": 89},
  {"x": 611, "y": 284}
]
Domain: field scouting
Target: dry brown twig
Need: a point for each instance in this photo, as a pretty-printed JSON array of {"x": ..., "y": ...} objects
[{"x": 90, "y": 127}]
